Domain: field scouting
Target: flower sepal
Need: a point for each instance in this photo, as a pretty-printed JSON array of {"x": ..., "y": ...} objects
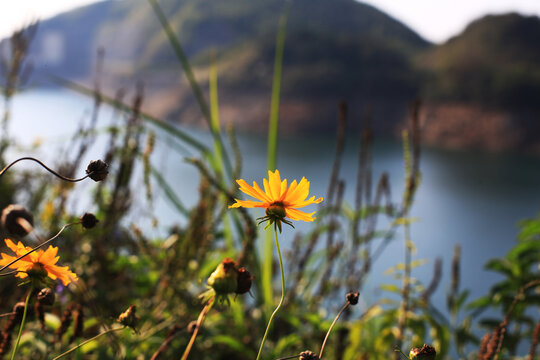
[{"x": 275, "y": 215}]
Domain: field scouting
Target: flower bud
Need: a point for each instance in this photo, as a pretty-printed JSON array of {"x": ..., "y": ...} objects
[
  {"x": 14, "y": 219},
  {"x": 352, "y": 298},
  {"x": 46, "y": 296},
  {"x": 308, "y": 355},
  {"x": 89, "y": 220},
  {"x": 244, "y": 281},
  {"x": 224, "y": 280},
  {"x": 97, "y": 170},
  {"x": 427, "y": 352}
]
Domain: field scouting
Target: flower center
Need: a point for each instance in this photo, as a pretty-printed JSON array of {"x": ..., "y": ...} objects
[
  {"x": 37, "y": 271},
  {"x": 276, "y": 210}
]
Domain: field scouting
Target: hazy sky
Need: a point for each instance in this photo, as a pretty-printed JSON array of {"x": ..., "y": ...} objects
[{"x": 436, "y": 20}]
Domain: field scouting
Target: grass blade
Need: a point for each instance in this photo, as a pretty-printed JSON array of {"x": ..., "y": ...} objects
[
  {"x": 268, "y": 252},
  {"x": 197, "y": 92},
  {"x": 276, "y": 89}
]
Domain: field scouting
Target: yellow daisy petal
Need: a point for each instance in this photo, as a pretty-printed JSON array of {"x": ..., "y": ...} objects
[
  {"x": 299, "y": 215},
  {"x": 245, "y": 188}
]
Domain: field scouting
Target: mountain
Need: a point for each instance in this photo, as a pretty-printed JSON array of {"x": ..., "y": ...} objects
[
  {"x": 334, "y": 49},
  {"x": 495, "y": 62},
  {"x": 483, "y": 85},
  {"x": 480, "y": 88}
]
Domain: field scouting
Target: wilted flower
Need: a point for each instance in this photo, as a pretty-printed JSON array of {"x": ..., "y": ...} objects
[
  {"x": 129, "y": 318},
  {"x": 11, "y": 217},
  {"x": 279, "y": 200},
  {"x": 224, "y": 280},
  {"x": 426, "y": 352},
  {"x": 37, "y": 264},
  {"x": 244, "y": 281},
  {"x": 308, "y": 355},
  {"x": 46, "y": 296}
]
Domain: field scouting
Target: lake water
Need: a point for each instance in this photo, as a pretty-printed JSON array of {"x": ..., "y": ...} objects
[{"x": 466, "y": 198}]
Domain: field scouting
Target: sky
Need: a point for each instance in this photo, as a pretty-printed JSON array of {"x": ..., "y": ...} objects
[{"x": 435, "y": 20}]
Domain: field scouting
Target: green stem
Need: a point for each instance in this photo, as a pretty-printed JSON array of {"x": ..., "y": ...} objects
[
  {"x": 280, "y": 301},
  {"x": 22, "y": 324},
  {"x": 87, "y": 341}
]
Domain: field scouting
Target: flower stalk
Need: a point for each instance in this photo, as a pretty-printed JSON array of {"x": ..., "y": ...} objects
[
  {"x": 198, "y": 325},
  {"x": 282, "y": 294},
  {"x": 44, "y": 166}
]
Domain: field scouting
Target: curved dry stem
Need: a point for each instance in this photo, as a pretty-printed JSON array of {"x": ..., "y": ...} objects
[
  {"x": 200, "y": 321},
  {"x": 46, "y": 167},
  {"x": 331, "y": 327}
]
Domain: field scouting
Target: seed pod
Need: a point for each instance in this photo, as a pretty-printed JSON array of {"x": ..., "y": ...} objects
[
  {"x": 244, "y": 281},
  {"x": 427, "y": 352},
  {"x": 89, "y": 220},
  {"x": 352, "y": 298},
  {"x": 97, "y": 170},
  {"x": 14, "y": 219},
  {"x": 46, "y": 296},
  {"x": 308, "y": 355}
]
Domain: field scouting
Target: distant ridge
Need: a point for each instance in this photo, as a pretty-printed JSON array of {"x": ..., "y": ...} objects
[
  {"x": 334, "y": 50},
  {"x": 338, "y": 49}
]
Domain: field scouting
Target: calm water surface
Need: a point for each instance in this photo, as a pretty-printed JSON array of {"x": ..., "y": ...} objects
[{"x": 466, "y": 198}]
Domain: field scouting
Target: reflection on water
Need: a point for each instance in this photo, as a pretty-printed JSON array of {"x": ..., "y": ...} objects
[{"x": 465, "y": 198}]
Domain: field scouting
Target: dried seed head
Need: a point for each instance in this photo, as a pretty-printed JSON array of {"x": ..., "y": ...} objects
[
  {"x": 89, "y": 220},
  {"x": 244, "y": 281},
  {"x": 224, "y": 280},
  {"x": 129, "y": 318},
  {"x": 352, "y": 297},
  {"x": 46, "y": 296},
  {"x": 97, "y": 170},
  {"x": 308, "y": 355},
  {"x": 17, "y": 220},
  {"x": 426, "y": 352}
]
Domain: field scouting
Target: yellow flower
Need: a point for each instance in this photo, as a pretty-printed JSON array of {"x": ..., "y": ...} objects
[
  {"x": 279, "y": 200},
  {"x": 40, "y": 262}
]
